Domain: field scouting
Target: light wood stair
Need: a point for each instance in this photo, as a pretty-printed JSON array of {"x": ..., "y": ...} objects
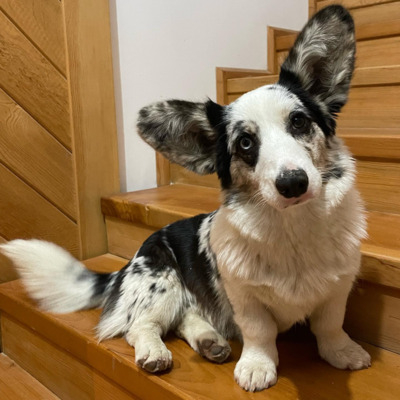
[
  {"x": 61, "y": 352},
  {"x": 17, "y": 384}
]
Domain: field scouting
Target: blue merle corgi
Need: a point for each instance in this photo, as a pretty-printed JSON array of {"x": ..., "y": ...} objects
[{"x": 283, "y": 247}]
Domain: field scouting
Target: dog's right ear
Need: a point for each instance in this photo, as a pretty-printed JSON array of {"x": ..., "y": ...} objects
[{"x": 184, "y": 132}]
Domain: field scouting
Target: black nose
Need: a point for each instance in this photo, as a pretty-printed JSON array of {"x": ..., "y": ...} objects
[{"x": 292, "y": 183}]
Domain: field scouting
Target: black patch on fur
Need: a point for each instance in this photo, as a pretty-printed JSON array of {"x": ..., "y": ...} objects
[
  {"x": 101, "y": 283},
  {"x": 335, "y": 171},
  {"x": 216, "y": 116},
  {"x": 115, "y": 291},
  {"x": 250, "y": 156},
  {"x": 291, "y": 81},
  {"x": 177, "y": 246}
]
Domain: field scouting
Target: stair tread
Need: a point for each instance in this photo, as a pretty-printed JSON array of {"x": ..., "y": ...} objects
[
  {"x": 17, "y": 384},
  {"x": 163, "y": 205},
  {"x": 182, "y": 201},
  {"x": 301, "y": 373}
]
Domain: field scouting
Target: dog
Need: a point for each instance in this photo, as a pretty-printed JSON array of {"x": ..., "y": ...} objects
[{"x": 283, "y": 247}]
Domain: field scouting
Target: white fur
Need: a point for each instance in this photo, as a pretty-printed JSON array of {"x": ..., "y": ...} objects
[
  {"x": 280, "y": 267},
  {"x": 51, "y": 275}
]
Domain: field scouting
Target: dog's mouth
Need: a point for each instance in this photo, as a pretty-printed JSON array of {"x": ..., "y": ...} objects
[{"x": 294, "y": 201}]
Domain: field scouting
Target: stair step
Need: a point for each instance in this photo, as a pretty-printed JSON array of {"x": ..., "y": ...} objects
[
  {"x": 17, "y": 384},
  {"x": 155, "y": 208},
  {"x": 163, "y": 205},
  {"x": 75, "y": 366}
]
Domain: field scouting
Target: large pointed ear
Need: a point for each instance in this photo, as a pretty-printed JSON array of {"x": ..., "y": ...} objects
[
  {"x": 320, "y": 65},
  {"x": 185, "y": 133}
]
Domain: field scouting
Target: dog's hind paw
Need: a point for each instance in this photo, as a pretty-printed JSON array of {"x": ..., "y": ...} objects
[
  {"x": 214, "y": 347},
  {"x": 255, "y": 375},
  {"x": 351, "y": 356}
]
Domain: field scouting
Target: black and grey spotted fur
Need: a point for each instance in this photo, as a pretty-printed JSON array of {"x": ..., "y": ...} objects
[{"x": 272, "y": 149}]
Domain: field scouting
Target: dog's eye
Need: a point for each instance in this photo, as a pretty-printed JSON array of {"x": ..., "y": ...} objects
[
  {"x": 300, "y": 122},
  {"x": 246, "y": 143}
]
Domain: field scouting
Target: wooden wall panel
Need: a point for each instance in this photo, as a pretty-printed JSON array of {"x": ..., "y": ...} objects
[
  {"x": 33, "y": 81},
  {"x": 31, "y": 152},
  {"x": 42, "y": 22},
  {"x": 26, "y": 214},
  {"x": 93, "y": 114}
]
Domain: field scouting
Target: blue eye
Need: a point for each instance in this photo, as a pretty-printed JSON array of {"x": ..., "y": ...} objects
[{"x": 246, "y": 143}]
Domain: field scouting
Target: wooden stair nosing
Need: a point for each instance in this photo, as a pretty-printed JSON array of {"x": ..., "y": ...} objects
[{"x": 192, "y": 377}]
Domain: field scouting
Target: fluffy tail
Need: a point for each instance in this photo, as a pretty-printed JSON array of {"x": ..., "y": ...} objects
[{"x": 54, "y": 278}]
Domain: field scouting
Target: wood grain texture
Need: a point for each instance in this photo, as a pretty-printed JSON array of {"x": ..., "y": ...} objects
[
  {"x": 16, "y": 384},
  {"x": 312, "y": 7},
  {"x": 368, "y": 76},
  {"x": 93, "y": 115},
  {"x": 285, "y": 42},
  {"x": 383, "y": 230},
  {"x": 184, "y": 176},
  {"x": 161, "y": 206},
  {"x": 271, "y": 49},
  {"x": 7, "y": 271},
  {"x": 124, "y": 237},
  {"x": 43, "y": 23},
  {"x": 32, "y": 153},
  {"x": 380, "y": 268},
  {"x": 378, "y": 52},
  {"x": 377, "y": 21},
  {"x": 33, "y": 82},
  {"x": 378, "y": 183},
  {"x": 373, "y": 315},
  {"x": 372, "y": 143},
  {"x": 26, "y": 214},
  {"x": 163, "y": 170},
  {"x": 365, "y": 108},
  {"x": 301, "y": 373},
  {"x": 63, "y": 374},
  {"x": 350, "y": 3}
]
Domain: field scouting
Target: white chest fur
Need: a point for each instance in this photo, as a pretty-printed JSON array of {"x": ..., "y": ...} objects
[{"x": 291, "y": 259}]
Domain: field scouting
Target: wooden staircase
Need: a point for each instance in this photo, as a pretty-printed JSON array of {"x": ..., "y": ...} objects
[{"x": 61, "y": 351}]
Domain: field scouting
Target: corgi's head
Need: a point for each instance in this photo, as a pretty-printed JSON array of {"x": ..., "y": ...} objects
[{"x": 275, "y": 144}]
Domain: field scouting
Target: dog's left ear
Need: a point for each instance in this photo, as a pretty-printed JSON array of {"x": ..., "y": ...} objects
[
  {"x": 186, "y": 133},
  {"x": 321, "y": 63}
]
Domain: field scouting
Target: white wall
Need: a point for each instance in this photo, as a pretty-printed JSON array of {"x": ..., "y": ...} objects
[{"x": 170, "y": 48}]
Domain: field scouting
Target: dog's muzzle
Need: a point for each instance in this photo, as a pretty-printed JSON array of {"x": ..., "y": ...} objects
[{"x": 292, "y": 183}]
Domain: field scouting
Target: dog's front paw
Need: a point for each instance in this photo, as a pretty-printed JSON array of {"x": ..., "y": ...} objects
[
  {"x": 153, "y": 358},
  {"x": 253, "y": 375},
  {"x": 350, "y": 356}
]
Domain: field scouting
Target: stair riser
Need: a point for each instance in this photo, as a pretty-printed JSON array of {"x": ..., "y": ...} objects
[{"x": 373, "y": 315}]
